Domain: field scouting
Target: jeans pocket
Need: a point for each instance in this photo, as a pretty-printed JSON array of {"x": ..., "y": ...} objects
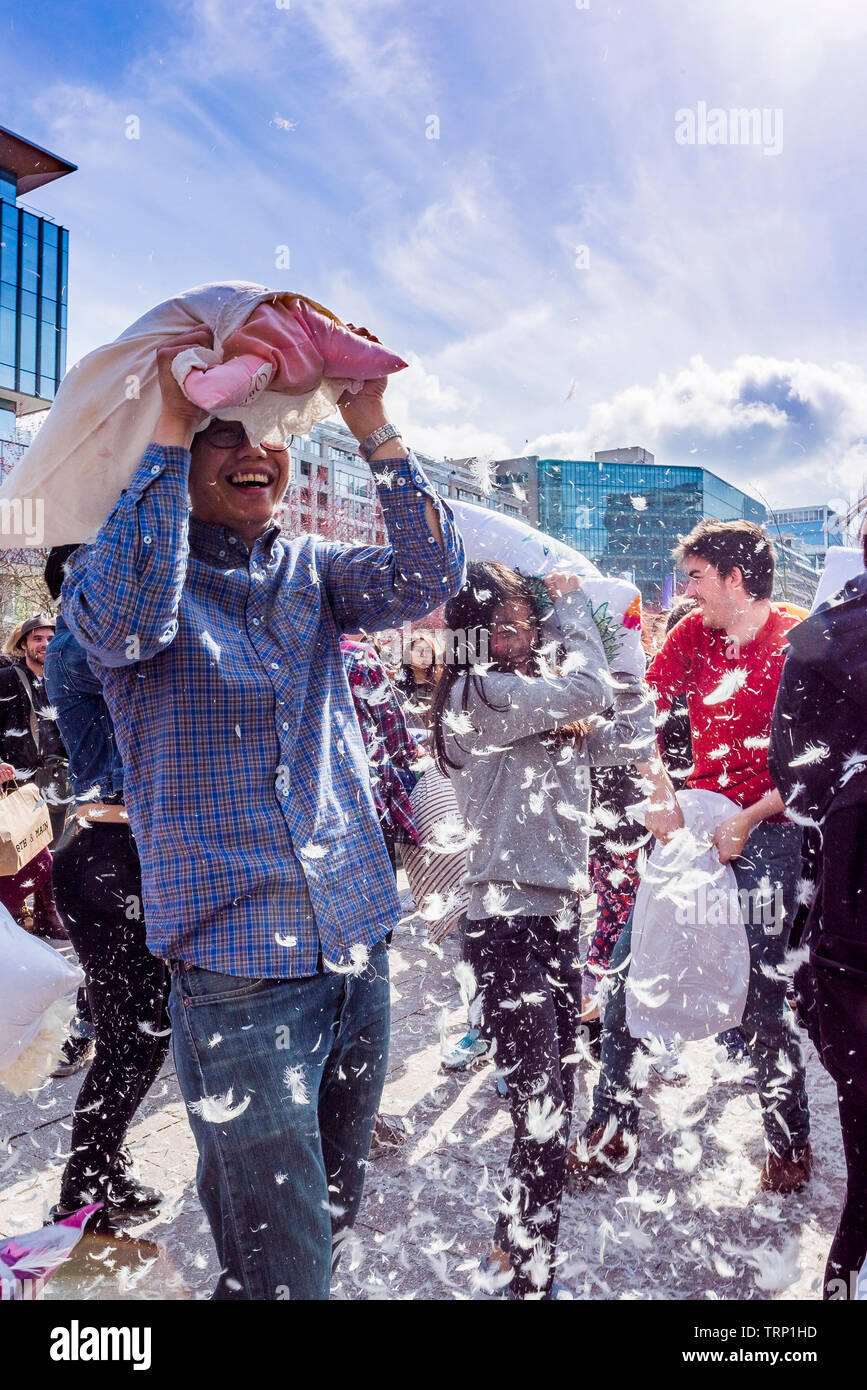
[{"x": 199, "y": 986}]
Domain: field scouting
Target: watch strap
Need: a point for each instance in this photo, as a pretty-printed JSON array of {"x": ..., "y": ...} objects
[{"x": 379, "y": 436}]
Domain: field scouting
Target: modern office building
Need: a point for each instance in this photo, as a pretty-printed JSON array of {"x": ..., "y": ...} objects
[
  {"x": 808, "y": 530},
  {"x": 34, "y": 255},
  {"x": 627, "y": 516}
]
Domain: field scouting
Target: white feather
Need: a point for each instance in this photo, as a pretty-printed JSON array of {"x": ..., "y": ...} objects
[
  {"x": 815, "y": 753},
  {"x": 544, "y": 1119},
  {"x": 217, "y": 1110},
  {"x": 296, "y": 1085},
  {"x": 731, "y": 683}
]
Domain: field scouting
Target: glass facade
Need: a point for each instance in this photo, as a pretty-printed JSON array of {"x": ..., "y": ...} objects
[
  {"x": 627, "y": 517},
  {"x": 34, "y": 254},
  {"x": 808, "y": 528}
]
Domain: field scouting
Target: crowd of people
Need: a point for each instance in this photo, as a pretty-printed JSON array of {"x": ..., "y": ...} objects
[{"x": 231, "y": 763}]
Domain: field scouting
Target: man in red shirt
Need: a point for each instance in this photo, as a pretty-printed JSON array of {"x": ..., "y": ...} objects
[{"x": 726, "y": 657}]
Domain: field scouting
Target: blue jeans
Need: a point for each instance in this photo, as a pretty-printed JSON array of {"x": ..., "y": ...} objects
[
  {"x": 773, "y": 852},
  {"x": 294, "y": 1070}
]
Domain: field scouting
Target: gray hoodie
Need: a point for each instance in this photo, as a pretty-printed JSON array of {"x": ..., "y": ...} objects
[{"x": 526, "y": 806}]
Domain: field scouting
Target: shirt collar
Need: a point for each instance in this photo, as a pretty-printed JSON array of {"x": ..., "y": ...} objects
[{"x": 224, "y": 546}]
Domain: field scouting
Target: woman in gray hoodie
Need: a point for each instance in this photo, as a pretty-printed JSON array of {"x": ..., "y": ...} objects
[{"x": 516, "y": 727}]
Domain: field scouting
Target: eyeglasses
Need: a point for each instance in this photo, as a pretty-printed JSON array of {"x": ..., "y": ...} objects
[
  {"x": 230, "y": 434},
  {"x": 514, "y": 626}
]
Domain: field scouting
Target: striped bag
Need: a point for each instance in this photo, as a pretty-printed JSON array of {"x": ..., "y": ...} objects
[{"x": 435, "y": 867}]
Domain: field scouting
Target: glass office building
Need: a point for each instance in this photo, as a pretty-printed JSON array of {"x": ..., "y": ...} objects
[
  {"x": 810, "y": 530},
  {"x": 627, "y": 517},
  {"x": 34, "y": 255}
]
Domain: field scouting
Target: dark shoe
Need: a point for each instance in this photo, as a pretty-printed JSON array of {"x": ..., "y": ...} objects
[
  {"x": 49, "y": 926},
  {"x": 787, "y": 1172},
  {"x": 76, "y": 1052},
  {"x": 126, "y": 1195},
  {"x": 389, "y": 1133},
  {"x": 735, "y": 1045},
  {"x": 589, "y": 1157},
  {"x": 46, "y": 922}
]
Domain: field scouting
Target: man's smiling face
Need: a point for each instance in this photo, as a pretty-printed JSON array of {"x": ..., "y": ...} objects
[{"x": 234, "y": 483}]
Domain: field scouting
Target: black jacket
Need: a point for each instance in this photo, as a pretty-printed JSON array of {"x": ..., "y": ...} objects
[
  {"x": 16, "y": 740},
  {"x": 820, "y": 715},
  {"x": 820, "y": 725}
]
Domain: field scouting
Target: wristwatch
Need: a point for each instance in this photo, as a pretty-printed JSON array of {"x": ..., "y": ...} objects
[{"x": 376, "y": 437}]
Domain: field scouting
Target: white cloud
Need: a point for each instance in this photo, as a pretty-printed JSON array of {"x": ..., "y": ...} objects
[
  {"x": 709, "y": 269},
  {"x": 777, "y": 425}
]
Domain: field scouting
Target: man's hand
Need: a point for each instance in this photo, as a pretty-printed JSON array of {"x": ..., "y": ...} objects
[
  {"x": 179, "y": 416},
  {"x": 7, "y": 772},
  {"x": 731, "y": 836},
  {"x": 363, "y": 411},
  {"x": 558, "y": 583}
]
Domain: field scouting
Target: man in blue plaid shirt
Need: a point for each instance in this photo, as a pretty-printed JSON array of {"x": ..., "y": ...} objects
[{"x": 266, "y": 879}]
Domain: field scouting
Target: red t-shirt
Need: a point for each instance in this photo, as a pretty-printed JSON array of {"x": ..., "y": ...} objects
[{"x": 730, "y": 692}]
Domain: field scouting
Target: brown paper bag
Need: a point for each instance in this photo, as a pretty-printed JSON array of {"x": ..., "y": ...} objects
[{"x": 25, "y": 827}]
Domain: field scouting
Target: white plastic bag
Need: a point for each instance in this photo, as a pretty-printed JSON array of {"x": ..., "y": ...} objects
[
  {"x": 614, "y": 603},
  {"x": 690, "y": 967},
  {"x": 33, "y": 977}
]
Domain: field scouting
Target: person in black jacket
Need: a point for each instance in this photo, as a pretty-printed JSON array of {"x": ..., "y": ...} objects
[
  {"x": 818, "y": 759},
  {"x": 31, "y": 750}
]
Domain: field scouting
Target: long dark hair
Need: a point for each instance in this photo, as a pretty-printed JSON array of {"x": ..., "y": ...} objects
[
  {"x": 404, "y": 680},
  {"x": 489, "y": 586}
]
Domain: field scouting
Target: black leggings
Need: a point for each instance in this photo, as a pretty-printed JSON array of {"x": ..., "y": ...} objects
[
  {"x": 849, "y": 1250},
  {"x": 530, "y": 973},
  {"x": 97, "y": 887}
]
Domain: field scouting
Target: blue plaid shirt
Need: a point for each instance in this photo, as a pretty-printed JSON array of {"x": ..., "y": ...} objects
[{"x": 245, "y": 774}]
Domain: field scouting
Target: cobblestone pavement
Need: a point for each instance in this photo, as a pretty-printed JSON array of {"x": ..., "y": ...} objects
[{"x": 688, "y": 1222}]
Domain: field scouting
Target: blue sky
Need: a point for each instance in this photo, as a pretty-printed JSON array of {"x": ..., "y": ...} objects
[{"x": 716, "y": 315}]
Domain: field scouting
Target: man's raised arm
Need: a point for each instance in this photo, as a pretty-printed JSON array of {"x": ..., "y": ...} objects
[
  {"x": 121, "y": 594},
  {"x": 423, "y": 564}
]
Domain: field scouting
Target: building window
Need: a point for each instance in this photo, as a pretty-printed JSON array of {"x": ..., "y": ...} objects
[{"x": 350, "y": 484}]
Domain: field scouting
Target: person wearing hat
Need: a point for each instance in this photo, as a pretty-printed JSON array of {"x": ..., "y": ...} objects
[{"x": 31, "y": 749}]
